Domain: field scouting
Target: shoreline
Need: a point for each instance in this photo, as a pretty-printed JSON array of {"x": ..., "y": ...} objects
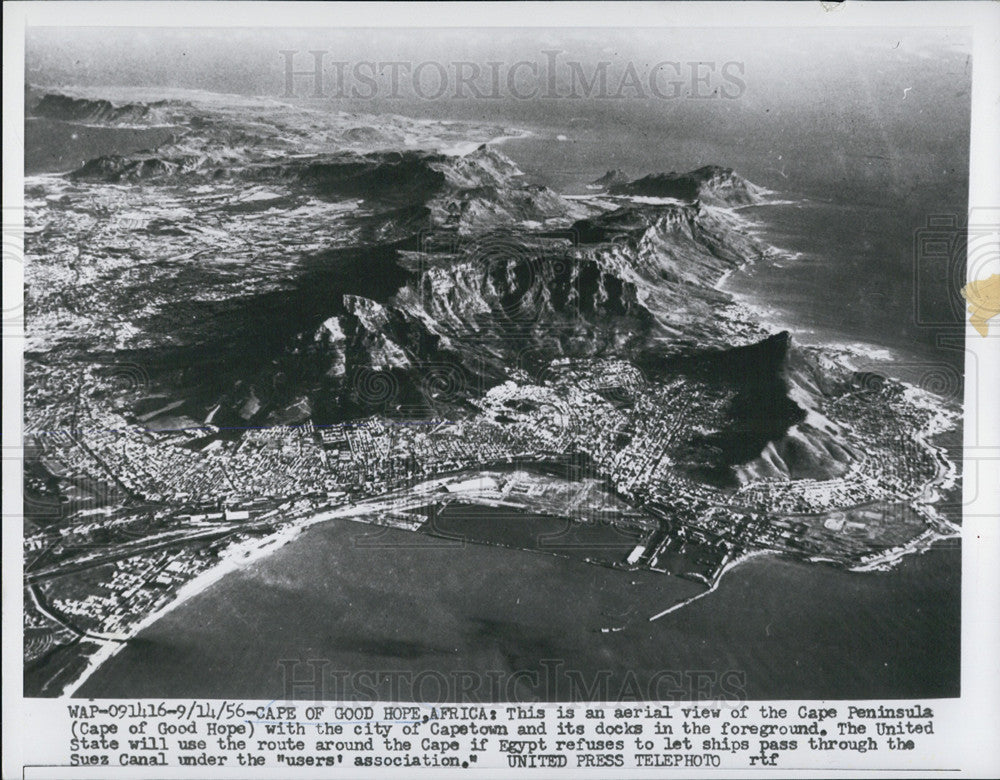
[
  {"x": 883, "y": 562},
  {"x": 244, "y": 553},
  {"x": 938, "y": 528},
  {"x": 919, "y": 545},
  {"x": 716, "y": 581},
  {"x": 463, "y": 149},
  {"x": 230, "y": 561}
]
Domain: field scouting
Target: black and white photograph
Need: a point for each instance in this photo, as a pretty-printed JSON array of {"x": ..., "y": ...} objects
[{"x": 499, "y": 368}]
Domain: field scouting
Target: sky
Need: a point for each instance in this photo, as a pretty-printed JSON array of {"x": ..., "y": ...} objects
[{"x": 883, "y": 93}]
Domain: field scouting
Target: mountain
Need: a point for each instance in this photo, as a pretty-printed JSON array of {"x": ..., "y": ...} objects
[
  {"x": 241, "y": 308},
  {"x": 63, "y": 107},
  {"x": 613, "y": 177},
  {"x": 710, "y": 184},
  {"x": 285, "y": 270}
]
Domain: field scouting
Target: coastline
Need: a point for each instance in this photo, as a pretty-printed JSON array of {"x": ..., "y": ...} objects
[
  {"x": 947, "y": 476},
  {"x": 232, "y": 559},
  {"x": 715, "y": 583},
  {"x": 916, "y": 546},
  {"x": 235, "y": 557},
  {"x": 246, "y": 552},
  {"x": 460, "y": 150}
]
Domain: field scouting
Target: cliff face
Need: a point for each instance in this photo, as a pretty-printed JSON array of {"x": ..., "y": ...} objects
[
  {"x": 634, "y": 283},
  {"x": 771, "y": 429}
]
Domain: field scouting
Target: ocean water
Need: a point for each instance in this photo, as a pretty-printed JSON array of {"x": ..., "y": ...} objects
[
  {"x": 856, "y": 180},
  {"x": 405, "y": 604},
  {"x": 852, "y": 266},
  {"x": 58, "y": 147},
  {"x": 368, "y": 606}
]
